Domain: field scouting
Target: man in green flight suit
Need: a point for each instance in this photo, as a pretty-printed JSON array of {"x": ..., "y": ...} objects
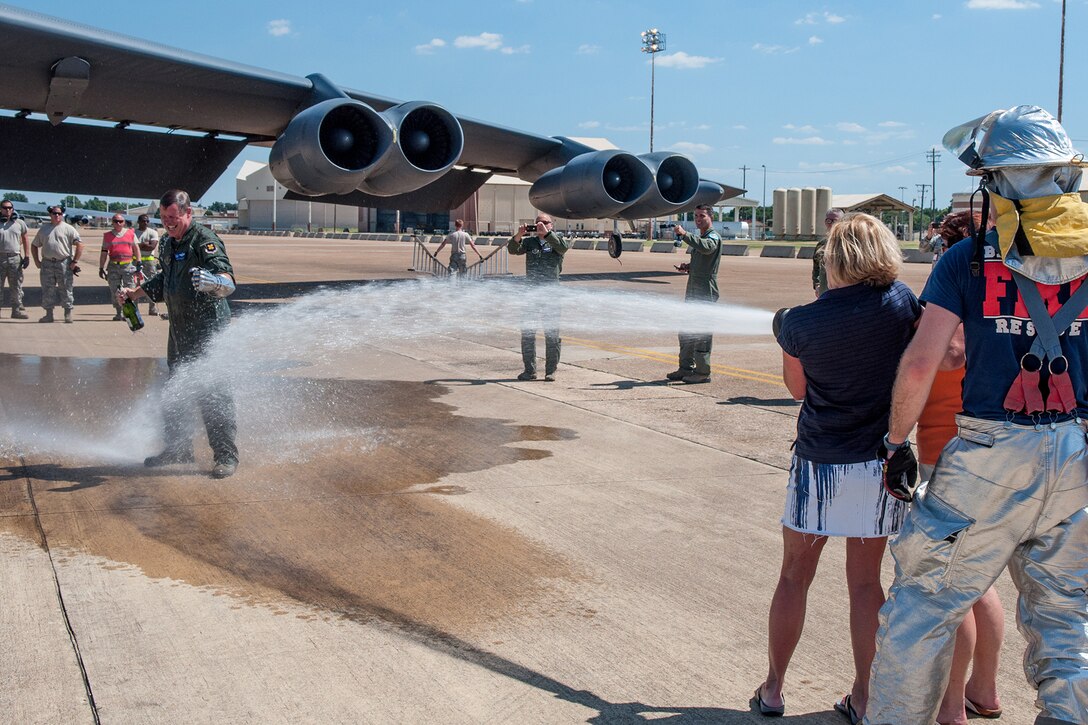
[
  {"x": 543, "y": 250},
  {"x": 705, "y": 249},
  {"x": 194, "y": 280}
]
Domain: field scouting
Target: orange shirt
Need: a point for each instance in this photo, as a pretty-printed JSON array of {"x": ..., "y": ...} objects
[{"x": 937, "y": 424}]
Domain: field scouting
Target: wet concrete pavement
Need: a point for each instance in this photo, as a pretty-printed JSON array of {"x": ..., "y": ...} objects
[{"x": 425, "y": 539}]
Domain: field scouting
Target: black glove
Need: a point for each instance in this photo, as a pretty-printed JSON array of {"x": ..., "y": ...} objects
[
  {"x": 102, "y": 272},
  {"x": 25, "y": 263},
  {"x": 900, "y": 475}
]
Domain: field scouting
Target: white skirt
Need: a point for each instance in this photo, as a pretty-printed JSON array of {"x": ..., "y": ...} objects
[{"x": 840, "y": 499}]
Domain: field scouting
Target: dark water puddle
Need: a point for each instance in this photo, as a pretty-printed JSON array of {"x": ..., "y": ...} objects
[{"x": 316, "y": 521}]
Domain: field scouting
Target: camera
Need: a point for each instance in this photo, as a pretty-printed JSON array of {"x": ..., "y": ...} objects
[{"x": 530, "y": 228}]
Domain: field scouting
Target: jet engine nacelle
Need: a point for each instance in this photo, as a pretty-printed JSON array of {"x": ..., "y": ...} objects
[
  {"x": 709, "y": 194},
  {"x": 429, "y": 141},
  {"x": 597, "y": 184},
  {"x": 676, "y": 181},
  {"x": 340, "y": 145},
  {"x": 330, "y": 147}
]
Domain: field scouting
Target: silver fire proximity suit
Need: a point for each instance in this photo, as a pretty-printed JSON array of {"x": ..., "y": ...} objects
[{"x": 1011, "y": 489}]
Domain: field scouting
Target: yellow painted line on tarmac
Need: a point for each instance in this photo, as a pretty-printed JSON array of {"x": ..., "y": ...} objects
[{"x": 743, "y": 374}]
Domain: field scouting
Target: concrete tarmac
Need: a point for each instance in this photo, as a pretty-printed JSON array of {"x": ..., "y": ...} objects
[{"x": 466, "y": 548}]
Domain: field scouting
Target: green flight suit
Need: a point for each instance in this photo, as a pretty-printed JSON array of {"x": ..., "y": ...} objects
[
  {"x": 543, "y": 265},
  {"x": 195, "y": 317},
  {"x": 706, "y": 253}
]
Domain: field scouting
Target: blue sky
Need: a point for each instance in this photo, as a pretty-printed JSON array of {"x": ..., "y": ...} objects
[{"x": 849, "y": 95}]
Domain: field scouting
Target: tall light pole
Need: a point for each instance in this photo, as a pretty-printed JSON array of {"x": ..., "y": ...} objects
[
  {"x": 763, "y": 202},
  {"x": 653, "y": 42}
]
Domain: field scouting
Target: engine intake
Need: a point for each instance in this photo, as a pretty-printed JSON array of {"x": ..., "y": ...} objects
[
  {"x": 330, "y": 147},
  {"x": 676, "y": 181},
  {"x": 429, "y": 141},
  {"x": 596, "y": 184}
]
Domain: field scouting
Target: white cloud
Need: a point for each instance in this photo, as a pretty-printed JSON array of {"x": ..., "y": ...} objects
[
  {"x": 891, "y": 124},
  {"x": 589, "y": 124},
  {"x": 816, "y": 18},
  {"x": 815, "y": 40},
  {"x": 279, "y": 27},
  {"x": 703, "y": 127},
  {"x": 807, "y": 128},
  {"x": 1001, "y": 5},
  {"x": 807, "y": 141},
  {"x": 898, "y": 169},
  {"x": 937, "y": 16},
  {"x": 487, "y": 41},
  {"x": 740, "y": 127},
  {"x": 431, "y": 47},
  {"x": 774, "y": 49},
  {"x": 587, "y": 49},
  {"x": 850, "y": 127},
  {"x": 682, "y": 60},
  {"x": 687, "y": 147}
]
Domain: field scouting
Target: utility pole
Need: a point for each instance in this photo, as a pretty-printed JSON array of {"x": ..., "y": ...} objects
[
  {"x": 934, "y": 158},
  {"x": 1061, "y": 65},
  {"x": 744, "y": 177},
  {"x": 921, "y": 207},
  {"x": 902, "y": 189}
]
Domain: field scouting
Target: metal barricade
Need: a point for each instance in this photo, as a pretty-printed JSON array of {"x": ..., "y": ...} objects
[{"x": 496, "y": 263}]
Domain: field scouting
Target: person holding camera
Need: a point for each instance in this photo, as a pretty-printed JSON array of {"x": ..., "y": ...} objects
[
  {"x": 543, "y": 249},
  {"x": 14, "y": 256}
]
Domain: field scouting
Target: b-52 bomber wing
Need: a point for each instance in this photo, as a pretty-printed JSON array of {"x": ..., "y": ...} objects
[{"x": 328, "y": 143}]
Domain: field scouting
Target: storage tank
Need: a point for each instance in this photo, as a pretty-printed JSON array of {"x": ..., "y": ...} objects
[
  {"x": 823, "y": 204},
  {"x": 793, "y": 213},
  {"x": 808, "y": 212},
  {"x": 778, "y": 213}
]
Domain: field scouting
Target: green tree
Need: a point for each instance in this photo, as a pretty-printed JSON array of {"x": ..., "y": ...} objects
[
  {"x": 219, "y": 207},
  {"x": 15, "y": 196},
  {"x": 95, "y": 204},
  {"x": 71, "y": 202},
  {"x": 118, "y": 206}
]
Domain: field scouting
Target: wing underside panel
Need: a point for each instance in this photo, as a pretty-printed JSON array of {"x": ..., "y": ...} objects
[{"x": 84, "y": 159}]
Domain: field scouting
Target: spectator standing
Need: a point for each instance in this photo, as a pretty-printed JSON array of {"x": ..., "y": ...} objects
[
  {"x": 56, "y": 249},
  {"x": 14, "y": 256}
]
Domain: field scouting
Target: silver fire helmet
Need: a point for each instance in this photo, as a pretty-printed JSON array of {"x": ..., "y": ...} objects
[{"x": 1023, "y": 136}]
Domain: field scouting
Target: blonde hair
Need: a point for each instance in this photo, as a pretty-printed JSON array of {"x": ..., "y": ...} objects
[{"x": 861, "y": 249}]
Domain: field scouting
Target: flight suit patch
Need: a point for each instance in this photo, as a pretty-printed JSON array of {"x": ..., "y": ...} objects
[
  {"x": 178, "y": 256},
  {"x": 209, "y": 248}
]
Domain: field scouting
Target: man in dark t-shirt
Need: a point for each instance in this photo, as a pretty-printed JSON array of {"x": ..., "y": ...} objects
[{"x": 1011, "y": 489}]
